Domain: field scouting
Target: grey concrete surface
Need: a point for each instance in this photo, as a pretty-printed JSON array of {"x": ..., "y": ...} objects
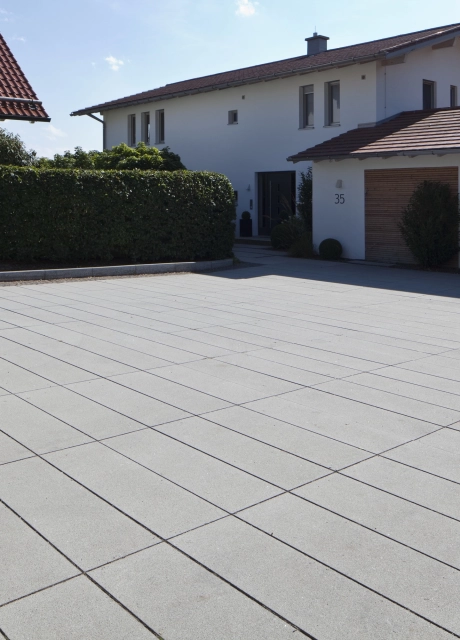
[{"x": 270, "y": 451}]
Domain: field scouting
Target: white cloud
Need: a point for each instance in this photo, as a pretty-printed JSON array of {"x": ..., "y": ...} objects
[
  {"x": 19, "y": 38},
  {"x": 53, "y": 133},
  {"x": 114, "y": 64},
  {"x": 6, "y": 16},
  {"x": 246, "y": 8}
]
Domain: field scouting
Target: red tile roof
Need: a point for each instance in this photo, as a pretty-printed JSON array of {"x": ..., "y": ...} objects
[
  {"x": 20, "y": 103},
  {"x": 410, "y": 133},
  {"x": 283, "y": 68}
]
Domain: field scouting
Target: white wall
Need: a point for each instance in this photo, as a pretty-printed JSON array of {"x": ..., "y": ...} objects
[
  {"x": 268, "y": 125},
  {"x": 346, "y": 222},
  {"x": 399, "y": 87}
]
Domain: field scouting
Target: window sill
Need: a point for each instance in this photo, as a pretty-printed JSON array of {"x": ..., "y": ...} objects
[
  {"x": 335, "y": 124},
  {"x": 232, "y": 124},
  {"x": 310, "y": 126}
]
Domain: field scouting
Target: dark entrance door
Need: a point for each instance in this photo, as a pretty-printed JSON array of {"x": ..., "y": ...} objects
[{"x": 276, "y": 198}]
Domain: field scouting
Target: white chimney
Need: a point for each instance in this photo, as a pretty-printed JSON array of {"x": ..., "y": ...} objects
[{"x": 316, "y": 44}]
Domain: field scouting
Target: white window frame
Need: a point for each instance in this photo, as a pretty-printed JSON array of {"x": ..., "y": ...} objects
[
  {"x": 331, "y": 121},
  {"x": 145, "y": 127},
  {"x": 160, "y": 126},
  {"x": 132, "y": 130},
  {"x": 233, "y": 116},
  {"x": 307, "y": 120}
]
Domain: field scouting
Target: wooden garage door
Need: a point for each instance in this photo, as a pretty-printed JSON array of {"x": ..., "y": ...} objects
[{"x": 388, "y": 192}]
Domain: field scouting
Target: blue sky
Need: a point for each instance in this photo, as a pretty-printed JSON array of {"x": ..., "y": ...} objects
[{"x": 76, "y": 54}]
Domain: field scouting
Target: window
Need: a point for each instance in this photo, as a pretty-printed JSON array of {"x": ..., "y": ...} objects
[
  {"x": 233, "y": 117},
  {"x": 332, "y": 103},
  {"x": 453, "y": 95},
  {"x": 132, "y": 130},
  {"x": 145, "y": 127},
  {"x": 160, "y": 126},
  {"x": 306, "y": 107},
  {"x": 428, "y": 94}
]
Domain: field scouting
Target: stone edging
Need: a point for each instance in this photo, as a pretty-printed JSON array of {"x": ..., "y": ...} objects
[{"x": 121, "y": 270}]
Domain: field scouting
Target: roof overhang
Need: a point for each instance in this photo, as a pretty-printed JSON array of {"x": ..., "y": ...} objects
[
  {"x": 408, "y": 153},
  {"x": 24, "y": 118}
]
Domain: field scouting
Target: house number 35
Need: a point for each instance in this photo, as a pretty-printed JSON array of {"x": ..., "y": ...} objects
[{"x": 339, "y": 198}]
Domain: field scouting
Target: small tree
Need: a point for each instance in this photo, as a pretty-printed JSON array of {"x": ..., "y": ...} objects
[
  {"x": 13, "y": 151},
  {"x": 304, "y": 198},
  {"x": 429, "y": 224}
]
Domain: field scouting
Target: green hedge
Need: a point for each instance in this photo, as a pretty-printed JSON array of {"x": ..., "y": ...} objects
[{"x": 71, "y": 214}]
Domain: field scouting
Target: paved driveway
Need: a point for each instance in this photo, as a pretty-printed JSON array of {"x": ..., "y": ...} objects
[{"x": 258, "y": 454}]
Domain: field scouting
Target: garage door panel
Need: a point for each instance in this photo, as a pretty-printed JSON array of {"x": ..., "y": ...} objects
[{"x": 388, "y": 192}]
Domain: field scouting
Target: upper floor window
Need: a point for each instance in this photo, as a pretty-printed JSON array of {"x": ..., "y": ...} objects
[
  {"x": 307, "y": 111},
  {"x": 428, "y": 94},
  {"x": 132, "y": 130},
  {"x": 145, "y": 127},
  {"x": 233, "y": 117},
  {"x": 332, "y": 103},
  {"x": 453, "y": 95},
  {"x": 160, "y": 126}
]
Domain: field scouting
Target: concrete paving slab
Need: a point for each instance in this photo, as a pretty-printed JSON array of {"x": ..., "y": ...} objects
[
  {"x": 221, "y": 484},
  {"x": 85, "y": 415},
  {"x": 263, "y": 461},
  {"x": 73, "y": 610},
  {"x": 448, "y": 368},
  {"x": 408, "y": 523},
  {"x": 132, "y": 404},
  {"x": 438, "y": 453},
  {"x": 163, "y": 587},
  {"x": 15, "y": 379},
  {"x": 10, "y": 450},
  {"x": 36, "y": 429},
  {"x": 298, "y": 588},
  {"x": 155, "y": 502},
  {"x": 390, "y": 401},
  {"x": 175, "y": 394},
  {"x": 422, "y": 488},
  {"x": 348, "y": 421},
  {"x": 409, "y": 578},
  {"x": 308, "y": 445},
  {"x": 83, "y": 527},
  {"x": 29, "y": 563}
]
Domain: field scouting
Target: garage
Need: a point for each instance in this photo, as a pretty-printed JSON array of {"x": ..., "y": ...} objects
[
  {"x": 387, "y": 193},
  {"x": 363, "y": 180}
]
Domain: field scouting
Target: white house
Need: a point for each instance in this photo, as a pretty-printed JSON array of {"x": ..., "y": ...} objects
[{"x": 249, "y": 122}]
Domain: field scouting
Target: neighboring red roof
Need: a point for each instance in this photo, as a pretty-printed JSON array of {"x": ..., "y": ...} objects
[
  {"x": 14, "y": 84},
  {"x": 292, "y": 66},
  {"x": 410, "y": 133}
]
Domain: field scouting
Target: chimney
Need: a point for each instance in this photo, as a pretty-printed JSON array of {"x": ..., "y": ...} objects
[{"x": 316, "y": 44}]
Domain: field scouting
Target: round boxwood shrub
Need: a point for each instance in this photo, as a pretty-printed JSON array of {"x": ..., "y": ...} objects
[
  {"x": 286, "y": 233},
  {"x": 245, "y": 215},
  {"x": 330, "y": 249}
]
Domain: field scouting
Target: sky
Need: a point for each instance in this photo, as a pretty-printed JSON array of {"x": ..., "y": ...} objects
[{"x": 77, "y": 54}]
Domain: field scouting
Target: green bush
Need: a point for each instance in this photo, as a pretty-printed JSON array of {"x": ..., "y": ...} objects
[
  {"x": 120, "y": 157},
  {"x": 55, "y": 214},
  {"x": 245, "y": 215},
  {"x": 429, "y": 224},
  {"x": 305, "y": 198},
  {"x": 302, "y": 247},
  {"x": 13, "y": 151},
  {"x": 286, "y": 233},
  {"x": 330, "y": 249}
]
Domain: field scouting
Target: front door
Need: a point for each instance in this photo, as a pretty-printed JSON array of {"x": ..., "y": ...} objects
[{"x": 276, "y": 199}]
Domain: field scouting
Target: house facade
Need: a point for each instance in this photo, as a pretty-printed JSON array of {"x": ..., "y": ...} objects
[{"x": 247, "y": 123}]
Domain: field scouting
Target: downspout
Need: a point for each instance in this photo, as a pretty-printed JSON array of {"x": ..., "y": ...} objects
[{"x": 104, "y": 146}]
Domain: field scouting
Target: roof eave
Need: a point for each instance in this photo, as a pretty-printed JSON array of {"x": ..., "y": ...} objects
[
  {"x": 410, "y": 153},
  {"x": 228, "y": 85},
  {"x": 421, "y": 44},
  {"x": 26, "y": 118}
]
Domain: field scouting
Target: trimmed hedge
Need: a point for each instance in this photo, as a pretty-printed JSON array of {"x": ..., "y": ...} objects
[{"x": 71, "y": 214}]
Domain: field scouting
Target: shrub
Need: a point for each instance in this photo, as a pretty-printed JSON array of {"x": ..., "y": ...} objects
[
  {"x": 119, "y": 157},
  {"x": 13, "y": 151},
  {"x": 305, "y": 198},
  {"x": 330, "y": 249},
  {"x": 72, "y": 214},
  {"x": 302, "y": 247},
  {"x": 286, "y": 233},
  {"x": 245, "y": 215},
  {"x": 429, "y": 224}
]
